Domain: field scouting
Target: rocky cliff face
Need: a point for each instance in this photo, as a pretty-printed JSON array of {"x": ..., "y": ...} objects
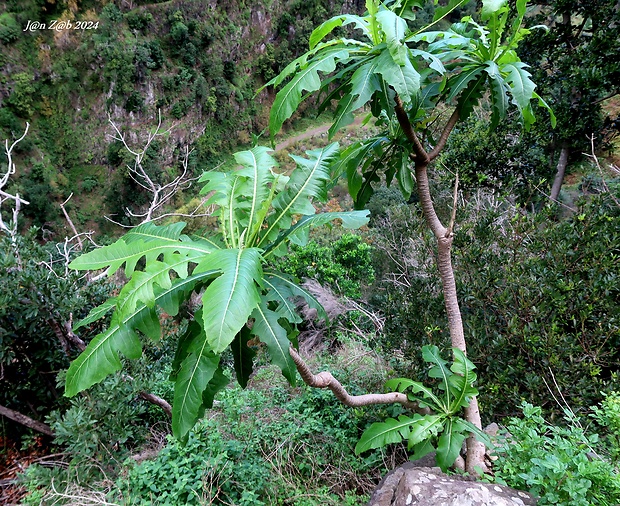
[{"x": 199, "y": 63}]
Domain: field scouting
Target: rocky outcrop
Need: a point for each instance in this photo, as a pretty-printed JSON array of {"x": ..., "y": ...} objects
[{"x": 410, "y": 485}]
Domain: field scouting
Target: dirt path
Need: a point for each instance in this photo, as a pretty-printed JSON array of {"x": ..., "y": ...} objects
[{"x": 314, "y": 132}]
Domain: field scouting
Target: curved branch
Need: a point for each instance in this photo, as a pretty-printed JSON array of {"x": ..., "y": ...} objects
[
  {"x": 326, "y": 380},
  {"x": 158, "y": 401},
  {"x": 444, "y": 135},
  {"x": 405, "y": 124}
]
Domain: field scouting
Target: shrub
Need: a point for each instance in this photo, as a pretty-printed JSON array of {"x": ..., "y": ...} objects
[
  {"x": 561, "y": 465},
  {"x": 21, "y": 98},
  {"x": 607, "y": 416},
  {"x": 9, "y": 28},
  {"x": 32, "y": 301},
  {"x": 134, "y": 102},
  {"x": 138, "y": 20},
  {"x": 345, "y": 265},
  {"x": 260, "y": 446},
  {"x": 504, "y": 159}
]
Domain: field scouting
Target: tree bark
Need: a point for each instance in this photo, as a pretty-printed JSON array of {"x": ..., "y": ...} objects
[
  {"x": 475, "y": 449},
  {"x": 444, "y": 236},
  {"x": 22, "y": 419},
  {"x": 326, "y": 380},
  {"x": 560, "y": 170},
  {"x": 158, "y": 401}
]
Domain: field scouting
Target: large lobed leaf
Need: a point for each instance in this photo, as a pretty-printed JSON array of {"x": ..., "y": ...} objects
[
  {"x": 306, "y": 79},
  {"x": 102, "y": 355},
  {"x": 229, "y": 300},
  {"x": 307, "y": 182},
  {"x": 380, "y": 434},
  {"x": 404, "y": 78},
  {"x": 147, "y": 241},
  {"x": 197, "y": 365},
  {"x": 257, "y": 165},
  {"x": 268, "y": 329}
]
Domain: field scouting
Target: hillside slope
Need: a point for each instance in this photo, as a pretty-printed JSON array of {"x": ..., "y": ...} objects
[{"x": 69, "y": 66}]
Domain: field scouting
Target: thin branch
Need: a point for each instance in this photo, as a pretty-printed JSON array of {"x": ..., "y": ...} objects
[
  {"x": 444, "y": 135},
  {"x": 4, "y": 178},
  {"x": 454, "y": 205},
  {"x": 158, "y": 401},
  {"x": 607, "y": 97},
  {"x": 537, "y": 188},
  {"x": 326, "y": 380},
  {"x": 160, "y": 194},
  {"x": 600, "y": 169},
  {"x": 22, "y": 419},
  {"x": 68, "y": 218}
]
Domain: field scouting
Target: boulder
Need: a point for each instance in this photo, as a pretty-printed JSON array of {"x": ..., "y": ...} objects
[{"x": 410, "y": 485}]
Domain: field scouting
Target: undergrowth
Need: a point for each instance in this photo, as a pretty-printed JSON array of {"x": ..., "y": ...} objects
[{"x": 267, "y": 444}]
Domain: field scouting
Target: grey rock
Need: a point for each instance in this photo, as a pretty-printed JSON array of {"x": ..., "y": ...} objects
[{"x": 410, "y": 485}]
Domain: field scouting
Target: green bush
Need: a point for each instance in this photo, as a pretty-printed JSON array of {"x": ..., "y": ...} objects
[
  {"x": 134, "y": 102},
  {"x": 561, "y": 465},
  {"x": 97, "y": 430},
  {"x": 9, "y": 28},
  {"x": 138, "y": 20},
  {"x": 607, "y": 416},
  {"x": 34, "y": 299},
  {"x": 21, "y": 98},
  {"x": 505, "y": 159},
  {"x": 346, "y": 265},
  {"x": 96, "y": 433}
]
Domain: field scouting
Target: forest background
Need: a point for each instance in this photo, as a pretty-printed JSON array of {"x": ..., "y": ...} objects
[{"x": 537, "y": 279}]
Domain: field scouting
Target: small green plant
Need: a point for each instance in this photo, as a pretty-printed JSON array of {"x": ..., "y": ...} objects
[
  {"x": 561, "y": 465},
  {"x": 443, "y": 430},
  {"x": 260, "y": 447}
]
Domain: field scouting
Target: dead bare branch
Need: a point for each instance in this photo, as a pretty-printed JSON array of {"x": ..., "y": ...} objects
[
  {"x": 10, "y": 228},
  {"x": 160, "y": 193},
  {"x": 70, "y": 221},
  {"x": 594, "y": 158}
]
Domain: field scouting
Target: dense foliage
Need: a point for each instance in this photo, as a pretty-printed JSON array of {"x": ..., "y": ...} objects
[
  {"x": 345, "y": 265},
  {"x": 575, "y": 64},
  {"x": 38, "y": 300},
  {"x": 539, "y": 297},
  {"x": 538, "y": 284},
  {"x": 260, "y": 212},
  {"x": 193, "y": 64},
  {"x": 560, "y": 465}
]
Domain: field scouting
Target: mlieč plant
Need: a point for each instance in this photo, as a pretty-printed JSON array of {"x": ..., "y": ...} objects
[
  {"x": 410, "y": 79},
  {"x": 260, "y": 213},
  {"x": 443, "y": 430}
]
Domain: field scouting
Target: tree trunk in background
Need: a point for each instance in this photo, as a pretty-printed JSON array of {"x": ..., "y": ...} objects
[
  {"x": 559, "y": 174},
  {"x": 16, "y": 416}
]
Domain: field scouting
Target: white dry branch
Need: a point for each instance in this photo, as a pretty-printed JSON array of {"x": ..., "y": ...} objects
[
  {"x": 10, "y": 228},
  {"x": 612, "y": 168},
  {"x": 160, "y": 193}
]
